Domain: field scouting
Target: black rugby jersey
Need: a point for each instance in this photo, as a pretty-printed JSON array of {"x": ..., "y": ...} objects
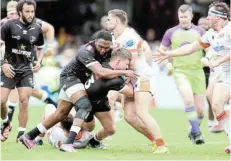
[
  {"x": 20, "y": 40},
  {"x": 85, "y": 56},
  {"x": 98, "y": 88}
]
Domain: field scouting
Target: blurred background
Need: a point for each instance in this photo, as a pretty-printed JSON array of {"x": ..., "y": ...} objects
[{"x": 76, "y": 20}]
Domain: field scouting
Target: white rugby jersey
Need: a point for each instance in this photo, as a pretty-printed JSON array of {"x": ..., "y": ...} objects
[
  {"x": 128, "y": 39},
  {"x": 220, "y": 43}
]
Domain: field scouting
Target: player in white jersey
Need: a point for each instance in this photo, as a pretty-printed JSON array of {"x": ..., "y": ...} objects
[
  {"x": 219, "y": 39},
  {"x": 136, "y": 115}
]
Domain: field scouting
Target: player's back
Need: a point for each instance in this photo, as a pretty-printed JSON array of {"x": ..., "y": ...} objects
[{"x": 98, "y": 88}]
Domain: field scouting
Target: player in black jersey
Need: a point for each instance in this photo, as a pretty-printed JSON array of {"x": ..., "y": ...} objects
[
  {"x": 48, "y": 31},
  {"x": 88, "y": 59},
  {"x": 97, "y": 89},
  {"x": 20, "y": 37}
]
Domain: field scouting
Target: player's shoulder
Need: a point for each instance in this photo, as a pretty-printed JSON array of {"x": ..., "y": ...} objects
[
  {"x": 198, "y": 28},
  {"x": 87, "y": 49},
  {"x": 39, "y": 21},
  {"x": 4, "y": 20},
  {"x": 172, "y": 29}
]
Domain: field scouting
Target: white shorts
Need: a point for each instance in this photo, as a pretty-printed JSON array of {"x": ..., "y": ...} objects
[
  {"x": 143, "y": 83},
  {"x": 214, "y": 76},
  {"x": 65, "y": 95},
  {"x": 224, "y": 79}
]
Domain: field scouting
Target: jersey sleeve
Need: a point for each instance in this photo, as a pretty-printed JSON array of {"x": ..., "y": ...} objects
[
  {"x": 5, "y": 30},
  {"x": 227, "y": 30},
  {"x": 132, "y": 42},
  {"x": 204, "y": 40},
  {"x": 40, "y": 42},
  {"x": 166, "y": 41},
  {"x": 86, "y": 57}
]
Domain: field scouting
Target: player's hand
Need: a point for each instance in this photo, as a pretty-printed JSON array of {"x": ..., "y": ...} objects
[
  {"x": 170, "y": 68},
  {"x": 8, "y": 70},
  {"x": 36, "y": 66},
  {"x": 205, "y": 61},
  {"x": 160, "y": 56},
  {"x": 131, "y": 74}
]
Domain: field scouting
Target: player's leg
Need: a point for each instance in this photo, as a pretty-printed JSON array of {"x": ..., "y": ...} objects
[
  {"x": 221, "y": 96},
  {"x": 24, "y": 95},
  {"x": 5, "y": 126},
  {"x": 62, "y": 111},
  {"x": 6, "y": 86},
  {"x": 108, "y": 129},
  {"x": 214, "y": 126},
  {"x": 142, "y": 105},
  {"x": 12, "y": 103},
  {"x": 186, "y": 93},
  {"x": 43, "y": 96},
  {"x": 131, "y": 118},
  {"x": 48, "y": 111}
]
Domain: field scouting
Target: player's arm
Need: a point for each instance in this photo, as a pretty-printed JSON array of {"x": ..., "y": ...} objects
[
  {"x": 49, "y": 33},
  {"x": 89, "y": 61},
  {"x": 182, "y": 51},
  {"x": 39, "y": 44},
  {"x": 7, "y": 69}
]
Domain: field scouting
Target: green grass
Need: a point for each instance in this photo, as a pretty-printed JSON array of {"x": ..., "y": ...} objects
[{"x": 127, "y": 144}]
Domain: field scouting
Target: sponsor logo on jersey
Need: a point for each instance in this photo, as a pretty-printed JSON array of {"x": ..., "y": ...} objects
[
  {"x": 32, "y": 39},
  {"x": 16, "y": 37},
  {"x": 130, "y": 43}
]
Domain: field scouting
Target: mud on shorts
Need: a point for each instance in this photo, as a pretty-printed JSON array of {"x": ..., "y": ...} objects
[{"x": 21, "y": 79}]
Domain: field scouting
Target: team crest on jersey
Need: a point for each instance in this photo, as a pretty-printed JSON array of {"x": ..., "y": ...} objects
[
  {"x": 32, "y": 39},
  {"x": 130, "y": 43}
]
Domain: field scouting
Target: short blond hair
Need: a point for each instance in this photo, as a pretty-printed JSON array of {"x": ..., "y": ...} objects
[
  {"x": 11, "y": 5},
  {"x": 122, "y": 15},
  {"x": 184, "y": 8},
  {"x": 121, "y": 52}
]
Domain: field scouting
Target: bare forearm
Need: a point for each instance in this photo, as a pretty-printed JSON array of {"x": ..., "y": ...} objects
[
  {"x": 185, "y": 50},
  {"x": 40, "y": 54}
]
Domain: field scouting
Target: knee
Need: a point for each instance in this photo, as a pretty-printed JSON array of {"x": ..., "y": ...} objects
[
  {"x": 24, "y": 101},
  {"x": 83, "y": 108},
  {"x": 129, "y": 118},
  {"x": 188, "y": 102},
  {"x": 110, "y": 131}
]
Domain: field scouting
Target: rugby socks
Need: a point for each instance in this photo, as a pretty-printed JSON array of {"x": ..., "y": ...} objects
[
  {"x": 224, "y": 121},
  {"x": 21, "y": 131},
  {"x": 160, "y": 142},
  {"x": 192, "y": 117},
  {"x": 150, "y": 137},
  {"x": 73, "y": 133},
  {"x": 11, "y": 109},
  {"x": 200, "y": 118},
  {"x": 6, "y": 121},
  {"x": 36, "y": 131}
]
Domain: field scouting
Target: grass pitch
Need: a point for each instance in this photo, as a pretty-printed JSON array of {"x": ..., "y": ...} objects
[{"x": 126, "y": 144}]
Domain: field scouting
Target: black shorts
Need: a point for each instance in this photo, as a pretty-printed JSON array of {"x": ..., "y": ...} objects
[
  {"x": 207, "y": 74},
  {"x": 21, "y": 79},
  {"x": 103, "y": 106},
  {"x": 67, "y": 81}
]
